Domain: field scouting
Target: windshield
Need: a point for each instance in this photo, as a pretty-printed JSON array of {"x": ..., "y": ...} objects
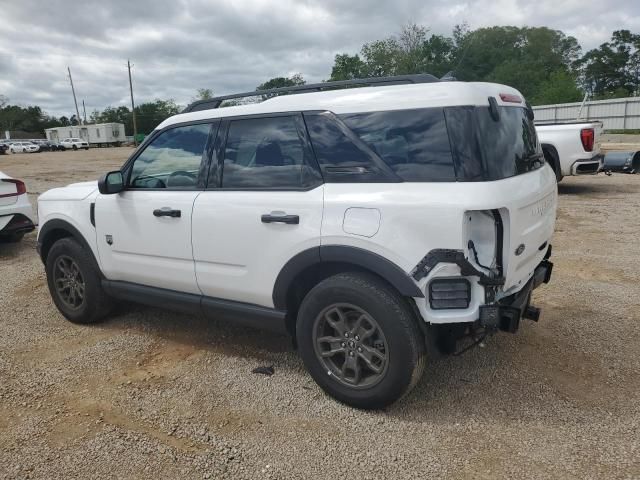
[{"x": 451, "y": 144}]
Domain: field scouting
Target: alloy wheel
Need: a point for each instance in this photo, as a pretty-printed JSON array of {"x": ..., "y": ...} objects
[
  {"x": 69, "y": 282},
  {"x": 350, "y": 345}
]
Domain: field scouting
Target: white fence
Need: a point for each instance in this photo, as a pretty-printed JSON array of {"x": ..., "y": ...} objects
[{"x": 616, "y": 114}]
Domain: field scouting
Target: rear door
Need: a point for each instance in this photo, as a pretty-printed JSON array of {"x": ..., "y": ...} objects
[
  {"x": 144, "y": 232},
  {"x": 263, "y": 205}
]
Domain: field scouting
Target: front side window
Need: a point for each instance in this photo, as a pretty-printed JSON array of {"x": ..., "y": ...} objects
[
  {"x": 172, "y": 159},
  {"x": 267, "y": 153}
]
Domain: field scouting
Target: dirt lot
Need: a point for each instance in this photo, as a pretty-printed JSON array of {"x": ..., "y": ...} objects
[{"x": 154, "y": 394}]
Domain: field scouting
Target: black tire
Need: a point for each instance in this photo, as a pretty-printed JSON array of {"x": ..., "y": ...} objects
[
  {"x": 398, "y": 339},
  {"x": 95, "y": 304},
  {"x": 74, "y": 147}
]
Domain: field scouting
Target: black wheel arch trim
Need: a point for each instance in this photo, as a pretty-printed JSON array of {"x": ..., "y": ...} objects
[
  {"x": 359, "y": 257},
  {"x": 59, "y": 224},
  {"x": 553, "y": 151}
]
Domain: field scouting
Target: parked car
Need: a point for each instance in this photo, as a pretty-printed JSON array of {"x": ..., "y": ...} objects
[
  {"x": 74, "y": 144},
  {"x": 24, "y": 147},
  {"x": 3, "y": 148},
  {"x": 571, "y": 148},
  {"x": 45, "y": 145},
  {"x": 365, "y": 222},
  {"x": 16, "y": 214}
]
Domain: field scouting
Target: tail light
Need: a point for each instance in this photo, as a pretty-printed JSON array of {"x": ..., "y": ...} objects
[
  {"x": 587, "y": 137},
  {"x": 20, "y": 187}
]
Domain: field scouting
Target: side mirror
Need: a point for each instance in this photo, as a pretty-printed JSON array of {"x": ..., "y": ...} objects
[{"x": 111, "y": 182}]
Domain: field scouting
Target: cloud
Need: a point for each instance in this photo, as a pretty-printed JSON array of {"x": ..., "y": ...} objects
[{"x": 178, "y": 46}]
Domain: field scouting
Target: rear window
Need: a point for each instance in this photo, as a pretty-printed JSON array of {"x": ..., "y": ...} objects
[{"x": 450, "y": 144}]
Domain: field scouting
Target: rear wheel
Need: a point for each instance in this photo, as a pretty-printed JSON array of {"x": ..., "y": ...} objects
[
  {"x": 360, "y": 341},
  {"x": 75, "y": 284}
]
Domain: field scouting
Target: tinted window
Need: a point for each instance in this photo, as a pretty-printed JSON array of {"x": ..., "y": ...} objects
[
  {"x": 172, "y": 159},
  {"x": 266, "y": 153},
  {"x": 509, "y": 145},
  {"x": 340, "y": 153},
  {"x": 413, "y": 143}
]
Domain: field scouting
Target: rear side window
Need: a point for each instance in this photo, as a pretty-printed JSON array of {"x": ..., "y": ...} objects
[
  {"x": 413, "y": 143},
  {"x": 342, "y": 156},
  {"x": 267, "y": 153}
]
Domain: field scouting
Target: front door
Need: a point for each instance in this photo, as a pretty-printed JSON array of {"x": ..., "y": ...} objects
[
  {"x": 262, "y": 207},
  {"x": 144, "y": 232}
]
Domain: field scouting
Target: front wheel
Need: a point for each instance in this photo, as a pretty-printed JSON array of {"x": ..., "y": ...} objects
[
  {"x": 360, "y": 341},
  {"x": 75, "y": 284}
]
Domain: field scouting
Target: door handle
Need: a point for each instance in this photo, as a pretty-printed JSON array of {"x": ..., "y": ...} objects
[
  {"x": 289, "y": 219},
  {"x": 167, "y": 212}
]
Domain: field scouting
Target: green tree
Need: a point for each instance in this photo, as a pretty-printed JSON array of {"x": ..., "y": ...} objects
[
  {"x": 560, "y": 87},
  {"x": 531, "y": 59},
  {"x": 613, "y": 69},
  {"x": 150, "y": 114},
  {"x": 203, "y": 94},
  {"x": 279, "y": 82},
  {"x": 29, "y": 119},
  {"x": 347, "y": 67}
]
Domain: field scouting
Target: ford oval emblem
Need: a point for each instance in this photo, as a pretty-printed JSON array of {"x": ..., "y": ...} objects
[{"x": 520, "y": 249}]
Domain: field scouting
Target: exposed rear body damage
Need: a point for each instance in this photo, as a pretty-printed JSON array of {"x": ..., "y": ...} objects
[{"x": 366, "y": 222}]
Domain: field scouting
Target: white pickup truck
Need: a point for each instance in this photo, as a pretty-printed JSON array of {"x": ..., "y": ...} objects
[{"x": 571, "y": 148}]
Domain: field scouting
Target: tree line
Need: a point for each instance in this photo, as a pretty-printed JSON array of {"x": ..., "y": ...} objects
[{"x": 546, "y": 65}]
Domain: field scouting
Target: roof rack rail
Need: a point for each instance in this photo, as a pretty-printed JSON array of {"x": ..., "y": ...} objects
[{"x": 314, "y": 87}]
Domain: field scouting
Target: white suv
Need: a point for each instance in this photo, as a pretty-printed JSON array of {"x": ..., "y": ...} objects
[
  {"x": 366, "y": 222},
  {"x": 24, "y": 147},
  {"x": 74, "y": 143}
]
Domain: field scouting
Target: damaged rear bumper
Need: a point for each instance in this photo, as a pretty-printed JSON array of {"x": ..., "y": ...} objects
[{"x": 507, "y": 312}]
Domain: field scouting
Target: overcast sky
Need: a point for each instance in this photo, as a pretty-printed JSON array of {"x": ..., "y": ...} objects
[{"x": 177, "y": 46}]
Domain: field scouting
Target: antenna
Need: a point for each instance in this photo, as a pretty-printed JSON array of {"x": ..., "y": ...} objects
[{"x": 74, "y": 96}]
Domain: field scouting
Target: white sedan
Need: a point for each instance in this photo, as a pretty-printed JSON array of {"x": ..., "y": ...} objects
[
  {"x": 24, "y": 147},
  {"x": 74, "y": 144},
  {"x": 16, "y": 214}
]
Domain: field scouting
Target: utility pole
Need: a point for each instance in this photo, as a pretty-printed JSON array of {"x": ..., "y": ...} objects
[
  {"x": 84, "y": 112},
  {"x": 133, "y": 107},
  {"x": 74, "y": 96}
]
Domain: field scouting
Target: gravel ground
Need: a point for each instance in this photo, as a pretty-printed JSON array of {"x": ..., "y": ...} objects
[{"x": 154, "y": 394}]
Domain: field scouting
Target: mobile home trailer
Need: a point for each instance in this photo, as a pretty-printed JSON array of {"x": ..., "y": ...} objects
[{"x": 99, "y": 134}]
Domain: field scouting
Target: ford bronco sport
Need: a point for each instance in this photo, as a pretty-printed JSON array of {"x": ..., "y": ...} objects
[{"x": 372, "y": 224}]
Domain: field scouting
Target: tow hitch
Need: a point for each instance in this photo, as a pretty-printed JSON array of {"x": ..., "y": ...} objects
[{"x": 532, "y": 313}]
